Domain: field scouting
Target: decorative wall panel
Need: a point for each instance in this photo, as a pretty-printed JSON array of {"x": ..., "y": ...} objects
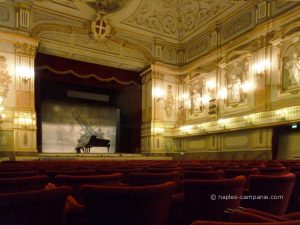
[{"x": 238, "y": 26}]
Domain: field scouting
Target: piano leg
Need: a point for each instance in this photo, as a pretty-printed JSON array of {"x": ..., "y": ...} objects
[{"x": 78, "y": 149}]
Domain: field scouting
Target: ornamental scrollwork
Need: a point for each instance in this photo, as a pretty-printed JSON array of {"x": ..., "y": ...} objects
[
  {"x": 4, "y": 77},
  {"x": 25, "y": 49}
]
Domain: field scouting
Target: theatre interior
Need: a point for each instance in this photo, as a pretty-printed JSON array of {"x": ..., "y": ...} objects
[{"x": 149, "y": 112}]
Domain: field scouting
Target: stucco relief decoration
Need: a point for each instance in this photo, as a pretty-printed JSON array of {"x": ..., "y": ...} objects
[
  {"x": 175, "y": 18},
  {"x": 236, "y": 75},
  {"x": 25, "y": 49},
  {"x": 4, "y": 77},
  {"x": 169, "y": 101},
  {"x": 196, "y": 96},
  {"x": 291, "y": 68},
  {"x": 100, "y": 27}
]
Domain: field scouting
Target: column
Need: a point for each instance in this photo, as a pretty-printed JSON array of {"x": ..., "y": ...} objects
[{"x": 18, "y": 120}]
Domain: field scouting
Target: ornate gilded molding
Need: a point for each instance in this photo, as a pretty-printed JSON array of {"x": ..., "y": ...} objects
[
  {"x": 210, "y": 66},
  {"x": 46, "y": 27},
  {"x": 58, "y": 27},
  {"x": 25, "y": 49},
  {"x": 4, "y": 77},
  {"x": 175, "y": 19},
  {"x": 155, "y": 74},
  {"x": 148, "y": 55}
]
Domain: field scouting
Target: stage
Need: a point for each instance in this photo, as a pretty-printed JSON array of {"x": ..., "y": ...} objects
[{"x": 24, "y": 156}]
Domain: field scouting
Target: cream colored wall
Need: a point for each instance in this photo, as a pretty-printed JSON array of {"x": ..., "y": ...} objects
[
  {"x": 18, "y": 127},
  {"x": 18, "y": 135},
  {"x": 238, "y": 128}
]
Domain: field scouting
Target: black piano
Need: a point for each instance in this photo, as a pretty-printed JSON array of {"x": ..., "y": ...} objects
[{"x": 94, "y": 142}]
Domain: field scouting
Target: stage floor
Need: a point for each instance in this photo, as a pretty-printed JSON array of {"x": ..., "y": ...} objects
[
  {"x": 83, "y": 156},
  {"x": 100, "y": 156}
]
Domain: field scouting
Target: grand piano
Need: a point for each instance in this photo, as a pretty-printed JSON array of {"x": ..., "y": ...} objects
[{"x": 93, "y": 142}]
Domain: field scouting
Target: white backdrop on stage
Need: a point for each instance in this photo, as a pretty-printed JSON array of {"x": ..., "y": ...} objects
[{"x": 66, "y": 126}]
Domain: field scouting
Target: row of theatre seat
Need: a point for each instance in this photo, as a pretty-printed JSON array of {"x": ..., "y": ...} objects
[{"x": 149, "y": 192}]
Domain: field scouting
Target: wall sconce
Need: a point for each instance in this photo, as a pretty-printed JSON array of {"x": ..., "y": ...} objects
[
  {"x": 248, "y": 86},
  {"x": 158, "y": 94},
  {"x": 222, "y": 94},
  {"x": 2, "y": 115},
  {"x": 24, "y": 119},
  {"x": 211, "y": 85},
  {"x": 186, "y": 129},
  {"x": 185, "y": 98},
  {"x": 25, "y": 73},
  {"x": 24, "y": 68},
  {"x": 261, "y": 67},
  {"x": 282, "y": 114},
  {"x": 205, "y": 99}
]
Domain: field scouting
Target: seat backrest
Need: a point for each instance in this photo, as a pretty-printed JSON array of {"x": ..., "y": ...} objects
[
  {"x": 163, "y": 169},
  {"x": 273, "y": 170},
  {"x": 26, "y": 173},
  {"x": 273, "y": 191},
  {"x": 207, "y": 199},
  {"x": 147, "y": 205},
  {"x": 76, "y": 172},
  {"x": 75, "y": 182},
  {"x": 41, "y": 207},
  {"x": 231, "y": 173},
  {"x": 142, "y": 179},
  {"x": 204, "y": 175},
  {"x": 18, "y": 184},
  {"x": 295, "y": 222},
  {"x": 294, "y": 204},
  {"x": 198, "y": 168}
]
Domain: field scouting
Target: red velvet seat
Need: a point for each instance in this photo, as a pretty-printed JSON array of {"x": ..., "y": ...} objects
[
  {"x": 204, "y": 175},
  {"x": 26, "y": 173},
  {"x": 76, "y": 172},
  {"x": 75, "y": 182},
  {"x": 294, "y": 203},
  {"x": 163, "y": 169},
  {"x": 22, "y": 183},
  {"x": 247, "y": 215},
  {"x": 143, "y": 179},
  {"x": 296, "y": 222},
  {"x": 231, "y": 173},
  {"x": 41, "y": 207},
  {"x": 273, "y": 170},
  {"x": 198, "y": 168},
  {"x": 147, "y": 205},
  {"x": 270, "y": 186},
  {"x": 206, "y": 199}
]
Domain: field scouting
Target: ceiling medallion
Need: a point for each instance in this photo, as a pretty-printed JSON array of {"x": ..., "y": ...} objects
[{"x": 100, "y": 27}]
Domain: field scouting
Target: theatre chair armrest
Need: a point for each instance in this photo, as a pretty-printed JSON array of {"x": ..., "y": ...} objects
[
  {"x": 293, "y": 216},
  {"x": 73, "y": 206},
  {"x": 263, "y": 214},
  {"x": 178, "y": 198},
  {"x": 240, "y": 216}
]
